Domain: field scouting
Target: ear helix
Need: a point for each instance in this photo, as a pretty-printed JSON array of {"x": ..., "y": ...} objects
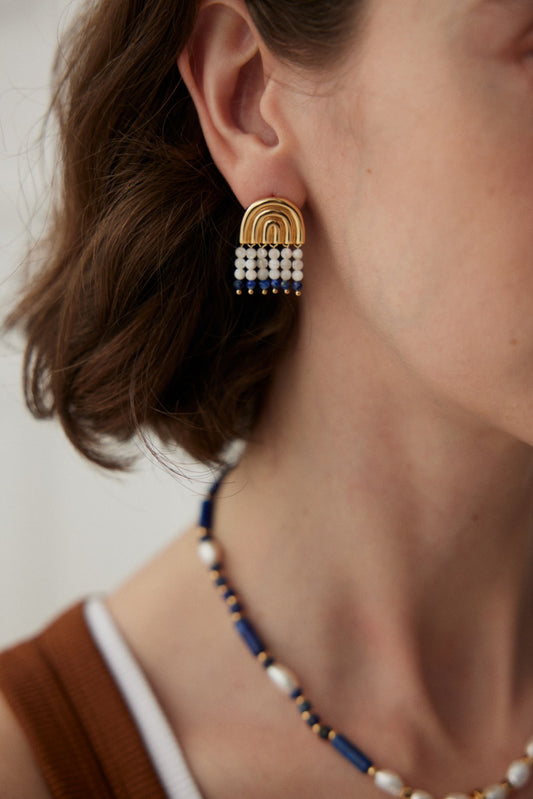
[{"x": 270, "y": 254}]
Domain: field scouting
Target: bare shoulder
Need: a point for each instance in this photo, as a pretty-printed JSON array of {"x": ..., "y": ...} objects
[
  {"x": 19, "y": 776},
  {"x": 160, "y": 591}
]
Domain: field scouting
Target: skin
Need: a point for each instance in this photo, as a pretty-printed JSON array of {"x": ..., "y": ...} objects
[
  {"x": 19, "y": 775},
  {"x": 379, "y": 524}
]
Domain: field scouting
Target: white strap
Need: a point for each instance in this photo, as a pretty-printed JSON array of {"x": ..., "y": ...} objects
[{"x": 154, "y": 729}]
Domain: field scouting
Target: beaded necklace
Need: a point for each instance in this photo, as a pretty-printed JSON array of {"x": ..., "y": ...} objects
[{"x": 210, "y": 553}]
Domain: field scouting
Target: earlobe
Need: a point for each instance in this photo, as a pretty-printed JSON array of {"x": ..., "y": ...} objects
[{"x": 225, "y": 70}]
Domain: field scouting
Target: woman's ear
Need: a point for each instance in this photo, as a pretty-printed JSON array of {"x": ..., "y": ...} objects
[{"x": 228, "y": 69}]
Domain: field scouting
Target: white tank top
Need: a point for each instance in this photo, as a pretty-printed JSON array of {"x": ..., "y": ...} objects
[{"x": 161, "y": 745}]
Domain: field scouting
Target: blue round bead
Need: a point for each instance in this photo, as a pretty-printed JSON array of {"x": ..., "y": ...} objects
[
  {"x": 275, "y": 284},
  {"x": 285, "y": 284},
  {"x": 297, "y": 286},
  {"x": 238, "y": 284},
  {"x": 250, "y": 284},
  {"x": 264, "y": 285}
]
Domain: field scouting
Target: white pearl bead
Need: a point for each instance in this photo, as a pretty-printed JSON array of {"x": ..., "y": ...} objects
[
  {"x": 262, "y": 263},
  {"x": 262, "y": 253},
  {"x": 298, "y": 254},
  {"x": 286, "y": 263},
  {"x": 262, "y": 274},
  {"x": 283, "y": 678},
  {"x": 421, "y": 795},
  {"x": 496, "y": 792},
  {"x": 251, "y": 274},
  {"x": 251, "y": 253},
  {"x": 240, "y": 252},
  {"x": 250, "y": 263},
  {"x": 389, "y": 782},
  {"x": 298, "y": 275},
  {"x": 274, "y": 254},
  {"x": 518, "y": 773},
  {"x": 275, "y": 274},
  {"x": 286, "y": 274},
  {"x": 209, "y": 552},
  {"x": 286, "y": 252},
  {"x": 240, "y": 263},
  {"x": 529, "y": 748},
  {"x": 239, "y": 274}
]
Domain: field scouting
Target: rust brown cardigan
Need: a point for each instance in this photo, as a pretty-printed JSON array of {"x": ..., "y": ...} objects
[{"x": 74, "y": 717}]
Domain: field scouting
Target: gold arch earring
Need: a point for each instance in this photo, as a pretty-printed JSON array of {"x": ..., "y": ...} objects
[{"x": 270, "y": 254}]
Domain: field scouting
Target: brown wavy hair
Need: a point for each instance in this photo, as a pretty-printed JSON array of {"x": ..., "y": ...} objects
[{"x": 132, "y": 324}]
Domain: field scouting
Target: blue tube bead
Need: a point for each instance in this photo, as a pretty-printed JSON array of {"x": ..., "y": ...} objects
[
  {"x": 216, "y": 485},
  {"x": 296, "y": 693},
  {"x": 249, "y": 636},
  {"x": 206, "y": 515},
  {"x": 352, "y": 753}
]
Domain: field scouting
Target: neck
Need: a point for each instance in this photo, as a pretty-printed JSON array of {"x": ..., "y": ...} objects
[{"x": 396, "y": 529}]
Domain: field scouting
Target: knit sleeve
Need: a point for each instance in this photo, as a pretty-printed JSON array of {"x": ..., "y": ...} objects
[{"x": 75, "y": 720}]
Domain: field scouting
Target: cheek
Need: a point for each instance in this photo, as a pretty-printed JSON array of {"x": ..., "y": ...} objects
[{"x": 437, "y": 238}]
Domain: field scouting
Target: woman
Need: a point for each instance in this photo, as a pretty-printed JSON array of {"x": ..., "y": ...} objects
[{"x": 378, "y": 526}]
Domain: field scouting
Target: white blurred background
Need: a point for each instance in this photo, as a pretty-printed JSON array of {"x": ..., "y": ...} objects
[{"x": 66, "y": 528}]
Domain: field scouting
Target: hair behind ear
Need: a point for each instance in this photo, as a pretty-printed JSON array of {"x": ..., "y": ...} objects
[{"x": 132, "y": 325}]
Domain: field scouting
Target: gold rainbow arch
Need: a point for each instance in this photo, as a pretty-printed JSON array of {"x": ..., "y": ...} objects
[{"x": 273, "y": 221}]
